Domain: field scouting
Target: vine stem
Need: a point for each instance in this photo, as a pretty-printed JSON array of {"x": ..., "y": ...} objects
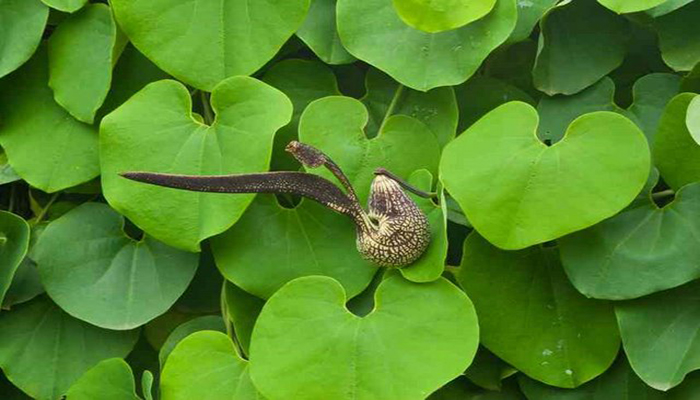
[
  {"x": 392, "y": 106},
  {"x": 206, "y": 106},
  {"x": 662, "y": 194},
  {"x": 45, "y": 210}
]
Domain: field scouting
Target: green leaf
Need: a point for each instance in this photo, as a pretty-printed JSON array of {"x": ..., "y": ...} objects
[
  {"x": 319, "y": 32},
  {"x": 7, "y": 174},
  {"x": 205, "y": 365},
  {"x": 660, "y": 334},
  {"x": 147, "y": 385},
  {"x": 81, "y": 57},
  {"x": 335, "y": 125},
  {"x": 203, "y": 323},
  {"x": 159, "y": 118},
  {"x": 385, "y": 97},
  {"x": 23, "y": 23},
  {"x": 405, "y": 340},
  {"x": 242, "y": 310},
  {"x": 565, "y": 66},
  {"x": 303, "y": 81},
  {"x": 640, "y": 251},
  {"x": 676, "y": 154},
  {"x": 617, "y": 383},
  {"x": 678, "y": 37},
  {"x": 44, "y": 144},
  {"x": 309, "y": 239},
  {"x": 202, "y": 43},
  {"x": 630, "y": 6},
  {"x": 537, "y": 322},
  {"x": 32, "y": 331},
  {"x": 418, "y": 59},
  {"x": 66, "y": 5},
  {"x": 430, "y": 265},
  {"x": 110, "y": 379},
  {"x": 651, "y": 94},
  {"x": 692, "y": 119},
  {"x": 481, "y": 94},
  {"x": 516, "y": 191},
  {"x": 667, "y": 7},
  {"x": 14, "y": 243},
  {"x": 109, "y": 279},
  {"x": 529, "y": 14},
  {"x": 441, "y": 15},
  {"x": 26, "y": 283}
]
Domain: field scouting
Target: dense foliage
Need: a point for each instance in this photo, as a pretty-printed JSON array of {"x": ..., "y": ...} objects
[{"x": 562, "y": 140}]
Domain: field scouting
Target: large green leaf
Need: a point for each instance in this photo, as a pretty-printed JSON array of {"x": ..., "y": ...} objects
[
  {"x": 335, "y": 125},
  {"x": 81, "y": 56},
  {"x": 306, "y": 345},
  {"x": 565, "y": 65},
  {"x": 676, "y": 154},
  {"x": 537, "y": 322},
  {"x": 14, "y": 242},
  {"x": 205, "y": 365},
  {"x": 692, "y": 119},
  {"x": 202, "y": 42},
  {"x": 678, "y": 37},
  {"x": 640, "y": 251},
  {"x": 435, "y": 16},
  {"x": 22, "y": 23},
  {"x": 660, "y": 334},
  {"x": 203, "y": 323},
  {"x": 107, "y": 278},
  {"x": 630, "y": 6},
  {"x": 319, "y": 32},
  {"x": 43, "y": 350},
  {"x": 309, "y": 239},
  {"x": 421, "y": 60},
  {"x": 44, "y": 144},
  {"x": 156, "y": 131},
  {"x": 516, "y": 191},
  {"x": 110, "y": 379},
  {"x": 385, "y": 97},
  {"x": 617, "y": 383}
]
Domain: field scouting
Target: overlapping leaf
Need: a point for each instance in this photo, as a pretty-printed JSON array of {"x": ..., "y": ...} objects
[
  {"x": 538, "y": 322},
  {"x": 23, "y": 23},
  {"x": 156, "y": 131},
  {"x": 14, "y": 242},
  {"x": 110, "y": 379},
  {"x": 319, "y": 32},
  {"x": 679, "y": 36},
  {"x": 676, "y": 154}
]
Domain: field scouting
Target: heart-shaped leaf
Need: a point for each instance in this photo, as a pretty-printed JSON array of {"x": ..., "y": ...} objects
[
  {"x": 309, "y": 239},
  {"x": 14, "y": 242},
  {"x": 109, "y": 279},
  {"x": 66, "y": 5},
  {"x": 202, "y": 43},
  {"x": 155, "y": 131},
  {"x": 660, "y": 334},
  {"x": 242, "y": 310},
  {"x": 110, "y": 379},
  {"x": 307, "y": 345},
  {"x": 617, "y": 383},
  {"x": 335, "y": 125},
  {"x": 203, "y": 323},
  {"x": 630, "y": 6},
  {"x": 640, "y": 251},
  {"x": 385, "y": 97},
  {"x": 205, "y": 365},
  {"x": 23, "y": 23},
  {"x": 692, "y": 119},
  {"x": 676, "y": 153},
  {"x": 516, "y": 191},
  {"x": 569, "y": 66},
  {"x": 39, "y": 328},
  {"x": 81, "y": 56},
  {"x": 430, "y": 265},
  {"x": 45, "y": 145},
  {"x": 538, "y": 323},
  {"x": 319, "y": 32},
  {"x": 678, "y": 37},
  {"x": 421, "y": 60},
  {"x": 441, "y": 15}
]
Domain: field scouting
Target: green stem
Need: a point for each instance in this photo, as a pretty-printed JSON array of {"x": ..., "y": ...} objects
[
  {"x": 662, "y": 194},
  {"x": 45, "y": 210},
  {"x": 392, "y": 106},
  {"x": 206, "y": 106}
]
